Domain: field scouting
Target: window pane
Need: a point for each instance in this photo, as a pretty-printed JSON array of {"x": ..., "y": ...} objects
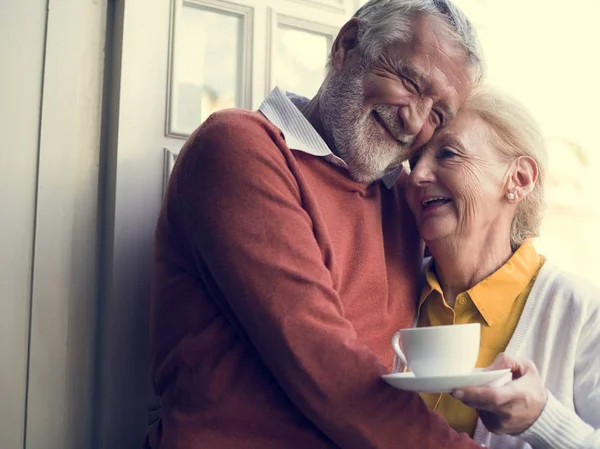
[
  {"x": 207, "y": 71},
  {"x": 300, "y": 60}
]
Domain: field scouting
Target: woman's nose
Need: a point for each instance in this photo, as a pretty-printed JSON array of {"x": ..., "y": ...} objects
[{"x": 422, "y": 172}]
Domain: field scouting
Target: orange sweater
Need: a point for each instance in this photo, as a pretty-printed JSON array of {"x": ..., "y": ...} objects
[{"x": 278, "y": 283}]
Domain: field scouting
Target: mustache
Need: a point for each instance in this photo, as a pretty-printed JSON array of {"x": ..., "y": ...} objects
[{"x": 389, "y": 116}]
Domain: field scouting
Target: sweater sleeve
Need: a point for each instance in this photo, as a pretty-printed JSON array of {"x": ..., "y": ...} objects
[
  {"x": 248, "y": 229},
  {"x": 559, "y": 426}
]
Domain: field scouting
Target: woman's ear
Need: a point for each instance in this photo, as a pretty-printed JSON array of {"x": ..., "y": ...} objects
[
  {"x": 523, "y": 177},
  {"x": 345, "y": 42}
]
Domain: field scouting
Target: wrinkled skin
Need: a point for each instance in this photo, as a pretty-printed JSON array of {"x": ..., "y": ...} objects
[{"x": 374, "y": 114}]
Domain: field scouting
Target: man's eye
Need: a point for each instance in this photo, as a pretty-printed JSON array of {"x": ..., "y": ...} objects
[
  {"x": 439, "y": 118},
  {"x": 412, "y": 84}
]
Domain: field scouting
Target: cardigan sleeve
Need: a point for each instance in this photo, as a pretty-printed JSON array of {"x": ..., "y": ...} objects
[
  {"x": 559, "y": 426},
  {"x": 246, "y": 226}
]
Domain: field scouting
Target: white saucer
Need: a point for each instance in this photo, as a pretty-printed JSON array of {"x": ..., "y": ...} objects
[{"x": 445, "y": 384}]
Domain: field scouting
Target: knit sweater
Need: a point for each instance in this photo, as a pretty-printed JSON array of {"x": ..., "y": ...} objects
[
  {"x": 278, "y": 281},
  {"x": 559, "y": 330}
]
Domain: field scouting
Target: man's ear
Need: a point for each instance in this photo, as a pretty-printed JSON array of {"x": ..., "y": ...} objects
[
  {"x": 523, "y": 177},
  {"x": 345, "y": 42}
]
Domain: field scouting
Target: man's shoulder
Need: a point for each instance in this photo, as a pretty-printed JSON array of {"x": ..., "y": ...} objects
[
  {"x": 234, "y": 136},
  {"x": 233, "y": 147},
  {"x": 235, "y": 123}
]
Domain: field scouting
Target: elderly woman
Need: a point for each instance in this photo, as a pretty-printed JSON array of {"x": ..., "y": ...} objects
[{"x": 477, "y": 192}]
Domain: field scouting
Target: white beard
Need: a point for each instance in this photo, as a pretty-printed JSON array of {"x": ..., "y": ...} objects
[{"x": 355, "y": 134}]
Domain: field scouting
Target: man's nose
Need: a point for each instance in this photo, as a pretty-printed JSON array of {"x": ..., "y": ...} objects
[
  {"x": 415, "y": 116},
  {"x": 424, "y": 135}
]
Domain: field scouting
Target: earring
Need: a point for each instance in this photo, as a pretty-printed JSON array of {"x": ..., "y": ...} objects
[{"x": 510, "y": 196}]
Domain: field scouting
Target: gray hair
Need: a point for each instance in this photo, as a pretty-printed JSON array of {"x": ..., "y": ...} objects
[
  {"x": 385, "y": 22},
  {"x": 515, "y": 133}
]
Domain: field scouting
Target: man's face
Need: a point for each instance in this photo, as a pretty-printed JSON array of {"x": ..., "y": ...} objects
[{"x": 377, "y": 115}]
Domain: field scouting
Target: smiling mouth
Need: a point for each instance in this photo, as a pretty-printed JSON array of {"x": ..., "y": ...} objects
[
  {"x": 434, "y": 202},
  {"x": 379, "y": 120}
]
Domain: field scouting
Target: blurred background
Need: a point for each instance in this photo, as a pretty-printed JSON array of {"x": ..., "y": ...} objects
[
  {"x": 96, "y": 99},
  {"x": 545, "y": 53}
]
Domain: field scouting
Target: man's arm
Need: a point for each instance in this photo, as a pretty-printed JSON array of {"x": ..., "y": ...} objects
[{"x": 248, "y": 229}]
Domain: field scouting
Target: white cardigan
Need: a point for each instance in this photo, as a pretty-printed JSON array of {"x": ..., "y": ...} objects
[{"x": 559, "y": 330}]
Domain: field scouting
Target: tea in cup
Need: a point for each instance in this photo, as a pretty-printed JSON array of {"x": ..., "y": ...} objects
[{"x": 438, "y": 350}]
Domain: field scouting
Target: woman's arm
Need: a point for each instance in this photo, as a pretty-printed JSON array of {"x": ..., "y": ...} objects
[
  {"x": 524, "y": 408},
  {"x": 559, "y": 426}
]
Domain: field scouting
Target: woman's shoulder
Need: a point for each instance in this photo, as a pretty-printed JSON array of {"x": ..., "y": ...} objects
[{"x": 556, "y": 284}]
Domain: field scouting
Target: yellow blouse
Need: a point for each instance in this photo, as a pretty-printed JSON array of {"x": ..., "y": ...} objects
[{"x": 496, "y": 303}]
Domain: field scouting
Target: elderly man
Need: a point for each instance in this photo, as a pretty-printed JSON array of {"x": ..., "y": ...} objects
[{"x": 286, "y": 256}]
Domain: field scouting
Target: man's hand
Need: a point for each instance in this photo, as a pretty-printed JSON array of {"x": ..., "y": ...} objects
[{"x": 513, "y": 407}]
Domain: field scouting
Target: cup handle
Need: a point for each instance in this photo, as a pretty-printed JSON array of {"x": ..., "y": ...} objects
[{"x": 398, "y": 350}]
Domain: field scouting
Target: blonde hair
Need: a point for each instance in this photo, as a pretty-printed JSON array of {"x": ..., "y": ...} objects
[{"x": 515, "y": 133}]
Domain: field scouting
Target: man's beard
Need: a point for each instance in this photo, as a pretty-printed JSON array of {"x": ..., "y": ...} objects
[{"x": 356, "y": 136}]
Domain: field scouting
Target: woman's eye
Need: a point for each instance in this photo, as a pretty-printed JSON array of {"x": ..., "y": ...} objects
[{"x": 446, "y": 153}]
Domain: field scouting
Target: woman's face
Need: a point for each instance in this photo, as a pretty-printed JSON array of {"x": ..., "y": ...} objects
[{"x": 456, "y": 188}]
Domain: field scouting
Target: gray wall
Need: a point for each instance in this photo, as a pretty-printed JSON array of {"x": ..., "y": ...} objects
[
  {"x": 52, "y": 59},
  {"x": 22, "y": 31}
]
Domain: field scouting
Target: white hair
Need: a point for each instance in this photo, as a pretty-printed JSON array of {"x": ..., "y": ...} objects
[
  {"x": 386, "y": 22},
  {"x": 515, "y": 133}
]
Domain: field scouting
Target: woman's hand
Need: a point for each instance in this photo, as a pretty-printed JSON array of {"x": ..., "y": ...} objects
[{"x": 513, "y": 407}]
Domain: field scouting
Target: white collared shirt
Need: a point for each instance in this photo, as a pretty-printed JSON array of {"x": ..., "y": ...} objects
[{"x": 300, "y": 135}]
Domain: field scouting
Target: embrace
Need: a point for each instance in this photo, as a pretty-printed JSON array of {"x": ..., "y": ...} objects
[{"x": 290, "y": 249}]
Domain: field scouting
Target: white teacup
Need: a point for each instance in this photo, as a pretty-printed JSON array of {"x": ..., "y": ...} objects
[{"x": 438, "y": 350}]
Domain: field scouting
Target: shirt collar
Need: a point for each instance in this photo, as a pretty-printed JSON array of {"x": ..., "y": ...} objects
[
  {"x": 300, "y": 135},
  {"x": 431, "y": 283},
  {"x": 494, "y": 296}
]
